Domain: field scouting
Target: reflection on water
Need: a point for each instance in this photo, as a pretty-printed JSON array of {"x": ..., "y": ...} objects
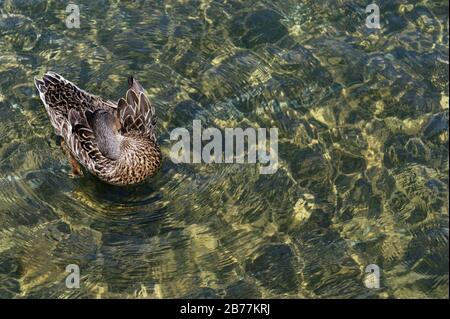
[{"x": 363, "y": 147}]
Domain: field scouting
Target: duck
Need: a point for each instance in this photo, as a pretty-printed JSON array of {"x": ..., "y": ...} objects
[{"x": 115, "y": 142}]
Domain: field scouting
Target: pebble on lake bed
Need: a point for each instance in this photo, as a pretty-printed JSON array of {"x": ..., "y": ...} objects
[{"x": 303, "y": 208}]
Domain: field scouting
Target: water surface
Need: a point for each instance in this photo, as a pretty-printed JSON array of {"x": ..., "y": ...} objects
[{"x": 363, "y": 147}]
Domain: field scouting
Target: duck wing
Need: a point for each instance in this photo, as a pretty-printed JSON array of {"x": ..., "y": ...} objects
[
  {"x": 60, "y": 96},
  {"x": 136, "y": 113},
  {"x": 69, "y": 107},
  {"x": 80, "y": 138}
]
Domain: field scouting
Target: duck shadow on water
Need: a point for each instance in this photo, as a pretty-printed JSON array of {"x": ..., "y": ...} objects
[
  {"x": 123, "y": 214},
  {"x": 142, "y": 194},
  {"x": 96, "y": 190}
]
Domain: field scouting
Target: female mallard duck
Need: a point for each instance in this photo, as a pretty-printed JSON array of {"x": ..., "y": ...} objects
[{"x": 115, "y": 142}]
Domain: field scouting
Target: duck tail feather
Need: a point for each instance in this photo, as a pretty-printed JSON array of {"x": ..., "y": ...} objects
[
  {"x": 49, "y": 78},
  {"x": 135, "y": 85},
  {"x": 147, "y": 110},
  {"x": 52, "y": 78},
  {"x": 40, "y": 85}
]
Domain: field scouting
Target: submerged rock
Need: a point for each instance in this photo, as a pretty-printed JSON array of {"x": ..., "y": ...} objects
[
  {"x": 27, "y": 7},
  {"x": 242, "y": 289},
  {"x": 259, "y": 27},
  {"x": 17, "y": 32},
  {"x": 275, "y": 268},
  {"x": 437, "y": 124}
]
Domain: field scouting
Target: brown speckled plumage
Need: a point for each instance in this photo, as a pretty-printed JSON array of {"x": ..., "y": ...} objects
[{"x": 73, "y": 113}]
